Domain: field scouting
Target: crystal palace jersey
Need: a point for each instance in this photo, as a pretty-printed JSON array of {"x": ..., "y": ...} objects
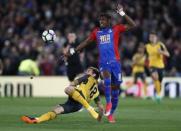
[{"x": 108, "y": 41}]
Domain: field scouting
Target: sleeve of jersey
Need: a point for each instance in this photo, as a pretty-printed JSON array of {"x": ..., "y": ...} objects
[
  {"x": 121, "y": 28},
  {"x": 83, "y": 79},
  {"x": 92, "y": 35}
]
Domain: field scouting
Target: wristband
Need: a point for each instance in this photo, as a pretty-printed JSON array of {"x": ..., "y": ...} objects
[{"x": 122, "y": 13}]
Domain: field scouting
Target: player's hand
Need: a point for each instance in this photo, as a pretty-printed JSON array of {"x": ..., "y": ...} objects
[
  {"x": 120, "y": 10},
  {"x": 101, "y": 112}
]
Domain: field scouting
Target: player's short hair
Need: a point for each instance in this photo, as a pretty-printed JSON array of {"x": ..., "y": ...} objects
[
  {"x": 105, "y": 15},
  {"x": 95, "y": 71}
]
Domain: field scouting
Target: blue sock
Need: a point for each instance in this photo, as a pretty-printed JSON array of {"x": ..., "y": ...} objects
[
  {"x": 115, "y": 100},
  {"x": 107, "y": 90}
]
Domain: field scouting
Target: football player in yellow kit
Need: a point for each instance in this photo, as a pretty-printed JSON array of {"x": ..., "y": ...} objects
[
  {"x": 138, "y": 64},
  {"x": 81, "y": 91},
  {"x": 156, "y": 51}
]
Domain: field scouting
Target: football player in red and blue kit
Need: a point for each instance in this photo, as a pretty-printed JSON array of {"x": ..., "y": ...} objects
[{"x": 107, "y": 39}]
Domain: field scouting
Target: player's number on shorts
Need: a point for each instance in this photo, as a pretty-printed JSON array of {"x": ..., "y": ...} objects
[{"x": 93, "y": 90}]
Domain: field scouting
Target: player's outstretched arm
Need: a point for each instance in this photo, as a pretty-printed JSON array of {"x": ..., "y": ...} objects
[
  {"x": 164, "y": 50},
  {"x": 98, "y": 102},
  {"x": 100, "y": 107},
  {"x": 78, "y": 48},
  {"x": 83, "y": 44},
  {"x": 131, "y": 24}
]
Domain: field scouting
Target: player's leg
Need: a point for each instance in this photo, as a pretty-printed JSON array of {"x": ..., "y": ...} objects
[
  {"x": 45, "y": 117},
  {"x": 107, "y": 91},
  {"x": 115, "y": 100},
  {"x": 135, "y": 78},
  {"x": 160, "y": 75},
  {"x": 143, "y": 78},
  {"x": 137, "y": 83},
  {"x": 105, "y": 70},
  {"x": 145, "y": 85},
  {"x": 50, "y": 115},
  {"x": 116, "y": 79},
  {"x": 160, "y": 78},
  {"x": 157, "y": 83},
  {"x": 69, "y": 107},
  {"x": 76, "y": 95}
]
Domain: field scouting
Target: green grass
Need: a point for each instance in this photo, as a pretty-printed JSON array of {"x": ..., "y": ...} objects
[{"x": 132, "y": 115}]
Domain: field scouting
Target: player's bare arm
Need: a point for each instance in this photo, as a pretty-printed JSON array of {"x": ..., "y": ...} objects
[
  {"x": 83, "y": 44},
  {"x": 164, "y": 51},
  {"x": 98, "y": 103},
  {"x": 78, "y": 48},
  {"x": 68, "y": 90},
  {"x": 79, "y": 80},
  {"x": 100, "y": 107},
  {"x": 74, "y": 83},
  {"x": 131, "y": 24}
]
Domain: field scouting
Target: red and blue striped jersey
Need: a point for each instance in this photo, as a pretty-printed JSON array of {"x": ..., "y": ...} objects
[{"x": 108, "y": 41}]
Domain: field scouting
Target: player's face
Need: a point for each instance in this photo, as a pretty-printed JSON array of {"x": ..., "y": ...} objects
[
  {"x": 103, "y": 21},
  {"x": 153, "y": 38},
  {"x": 141, "y": 49},
  {"x": 89, "y": 71},
  {"x": 71, "y": 37}
]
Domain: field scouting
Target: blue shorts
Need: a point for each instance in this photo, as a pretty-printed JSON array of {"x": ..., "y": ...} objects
[{"x": 114, "y": 68}]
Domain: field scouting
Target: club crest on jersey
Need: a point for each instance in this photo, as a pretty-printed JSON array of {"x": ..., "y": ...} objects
[{"x": 105, "y": 39}]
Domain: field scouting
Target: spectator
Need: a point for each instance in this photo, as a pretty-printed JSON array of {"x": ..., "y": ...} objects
[{"x": 28, "y": 67}]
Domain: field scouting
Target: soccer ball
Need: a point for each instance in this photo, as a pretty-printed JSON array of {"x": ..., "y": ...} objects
[{"x": 48, "y": 36}]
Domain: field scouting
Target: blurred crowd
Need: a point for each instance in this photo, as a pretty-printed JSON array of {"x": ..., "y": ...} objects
[{"x": 23, "y": 21}]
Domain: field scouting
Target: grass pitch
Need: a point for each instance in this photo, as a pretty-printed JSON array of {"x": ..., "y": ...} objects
[{"x": 132, "y": 115}]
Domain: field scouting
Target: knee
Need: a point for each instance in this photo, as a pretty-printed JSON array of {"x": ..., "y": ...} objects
[
  {"x": 68, "y": 90},
  {"x": 154, "y": 76},
  {"x": 58, "y": 109}
]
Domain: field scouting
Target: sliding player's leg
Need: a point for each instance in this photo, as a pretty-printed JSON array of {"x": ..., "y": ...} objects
[{"x": 69, "y": 107}]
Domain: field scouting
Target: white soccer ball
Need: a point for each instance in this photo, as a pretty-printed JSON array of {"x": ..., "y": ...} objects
[{"x": 48, "y": 36}]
